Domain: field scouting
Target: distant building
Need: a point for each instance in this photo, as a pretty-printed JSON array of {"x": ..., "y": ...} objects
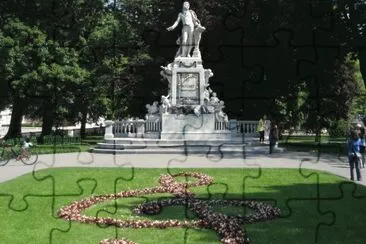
[{"x": 5, "y": 117}]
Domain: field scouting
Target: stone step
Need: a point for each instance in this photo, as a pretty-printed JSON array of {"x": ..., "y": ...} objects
[
  {"x": 151, "y": 146},
  {"x": 137, "y": 141},
  {"x": 189, "y": 150}
]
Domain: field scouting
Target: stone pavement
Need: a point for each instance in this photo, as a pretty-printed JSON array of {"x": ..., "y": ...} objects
[{"x": 329, "y": 163}]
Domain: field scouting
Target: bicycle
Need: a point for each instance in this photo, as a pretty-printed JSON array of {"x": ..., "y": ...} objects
[{"x": 7, "y": 153}]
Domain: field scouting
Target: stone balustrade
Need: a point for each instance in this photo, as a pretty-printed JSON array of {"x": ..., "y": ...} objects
[
  {"x": 153, "y": 126},
  {"x": 128, "y": 128},
  {"x": 140, "y": 128},
  {"x": 221, "y": 126},
  {"x": 248, "y": 128}
]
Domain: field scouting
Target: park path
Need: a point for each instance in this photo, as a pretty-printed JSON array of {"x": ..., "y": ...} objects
[{"x": 324, "y": 162}]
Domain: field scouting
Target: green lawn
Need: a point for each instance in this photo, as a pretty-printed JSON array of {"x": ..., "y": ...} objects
[
  {"x": 28, "y": 208},
  {"x": 67, "y": 145},
  {"x": 308, "y": 144}
]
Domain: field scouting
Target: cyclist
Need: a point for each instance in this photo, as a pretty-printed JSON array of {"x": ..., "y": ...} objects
[{"x": 24, "y": 150}]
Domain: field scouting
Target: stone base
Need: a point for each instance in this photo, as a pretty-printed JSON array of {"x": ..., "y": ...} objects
[
  {"x": 152, "y": 135},
  {"x": 191, "y": 127},
  {"x": 196, "y": 136}
]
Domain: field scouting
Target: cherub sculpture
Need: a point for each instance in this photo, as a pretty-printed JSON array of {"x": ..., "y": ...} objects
[
  {"x": 214, "y": 100},
  {"x": 165, "y": 103}
]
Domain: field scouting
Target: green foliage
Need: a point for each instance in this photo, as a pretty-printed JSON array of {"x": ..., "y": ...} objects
[
  {"x": 39, "y": 70},
  {"x": 77, "y": 57},
  {"x": 338, "y": 129},
  {"x": 358, "y": 105}
]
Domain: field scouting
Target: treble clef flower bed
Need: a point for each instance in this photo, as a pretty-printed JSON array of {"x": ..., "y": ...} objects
[{"x": 229, "y": 228}]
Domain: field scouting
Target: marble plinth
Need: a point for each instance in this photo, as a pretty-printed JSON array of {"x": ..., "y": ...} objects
[{"x": 191, "y": 127}]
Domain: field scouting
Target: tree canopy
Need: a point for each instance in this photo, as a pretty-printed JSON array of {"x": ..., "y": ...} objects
[{"x": 73, "y": 60}]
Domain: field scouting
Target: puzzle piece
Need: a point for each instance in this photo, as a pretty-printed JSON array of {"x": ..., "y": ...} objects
[
  {"x": 308, "y": 199},
  {"x": 350, "y": 193}
]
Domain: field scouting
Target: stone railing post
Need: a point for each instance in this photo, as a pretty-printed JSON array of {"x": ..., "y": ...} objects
[
  {"x": 109, "y": 129},
  {"x": 232, "y": 126},
  {"x": 140, "y": 128}
]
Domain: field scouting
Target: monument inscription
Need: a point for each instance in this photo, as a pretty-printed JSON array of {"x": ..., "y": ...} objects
[{"x": 188, "y": 88}]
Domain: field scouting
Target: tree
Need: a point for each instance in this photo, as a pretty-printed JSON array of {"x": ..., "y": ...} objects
[
  {"x": 358, "y": 105},
  {"x": 37, "y": 70},
  {"x": 22, "y": 49}
]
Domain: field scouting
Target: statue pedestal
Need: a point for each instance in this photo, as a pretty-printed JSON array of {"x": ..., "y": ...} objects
[
  {"x": 109, "y": 129},
  {"x": 188, "y": 81},
  {"x": 191, "y": 127}
]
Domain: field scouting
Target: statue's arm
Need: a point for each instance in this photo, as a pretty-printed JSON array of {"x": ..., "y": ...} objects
[{"x": 175, "y": 24}]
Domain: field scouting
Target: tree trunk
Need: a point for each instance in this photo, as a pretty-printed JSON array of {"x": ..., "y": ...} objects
[
  {"x": 362, "y": 58},
  {"x": 15, "y": 127},
  {"x": 83, "y": 123},
  {"x": 47, "y": 120},
  {"x": 317, "y": 135}
]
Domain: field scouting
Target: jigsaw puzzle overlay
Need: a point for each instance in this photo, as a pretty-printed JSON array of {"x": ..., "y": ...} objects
[{"x": 290, "y": 60}]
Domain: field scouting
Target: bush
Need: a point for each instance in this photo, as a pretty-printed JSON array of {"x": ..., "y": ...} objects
[
  {"x": 60, "y": 139},
  {"x": 338, "y": 129}
]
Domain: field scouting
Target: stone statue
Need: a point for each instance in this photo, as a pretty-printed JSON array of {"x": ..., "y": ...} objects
[
  {"x": 208, "y": 75},
  {"x": 165, "y": 103},
  {"x": 167, "y": 74},
  {"x": 197, "y": 110},
  {"x": 214, "y": 100},
  {"x": 206, "y": 95},
  {"x": 220, "y": 114},
  {"x": 152, "y": 109},
  {"x": 167, "y": 69},
  {"x": 191, "y": 32}
]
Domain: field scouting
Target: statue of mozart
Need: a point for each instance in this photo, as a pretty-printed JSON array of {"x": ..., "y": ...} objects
[{"x": 191, "y": 32}]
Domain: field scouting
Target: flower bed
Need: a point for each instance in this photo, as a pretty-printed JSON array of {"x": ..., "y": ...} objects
[{"x": 229, "y": 228}]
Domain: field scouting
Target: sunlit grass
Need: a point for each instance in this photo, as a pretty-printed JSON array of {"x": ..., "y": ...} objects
[{"x": 28, "y": 205}]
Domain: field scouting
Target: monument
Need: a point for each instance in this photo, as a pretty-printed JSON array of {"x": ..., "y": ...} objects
[
  {"x": 190, "y": 117},
  {"x": 190, "y": 110}
]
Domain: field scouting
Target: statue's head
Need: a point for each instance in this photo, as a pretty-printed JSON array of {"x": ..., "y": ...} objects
[{"x": 185, "y": 5}]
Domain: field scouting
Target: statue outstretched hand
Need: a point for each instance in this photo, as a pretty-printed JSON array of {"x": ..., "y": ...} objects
[{"x": 170, "y": 28}]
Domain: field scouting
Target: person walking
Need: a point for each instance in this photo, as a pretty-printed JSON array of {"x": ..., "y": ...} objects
[
  {"x": 354, "y": 155},
  {"x": 267, "y": 128},
  {"x": 273, "y": 137},
  {"x": 260, "y": 129},
  {"x": 362, "y": 145}
]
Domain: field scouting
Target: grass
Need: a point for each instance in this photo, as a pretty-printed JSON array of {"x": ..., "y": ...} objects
[
  {"x": 292, "y": 143},
  {"x": 309, "y": 144},
  {"x": 28, "y": 208},
  {"x": 76, "y": 145}
]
